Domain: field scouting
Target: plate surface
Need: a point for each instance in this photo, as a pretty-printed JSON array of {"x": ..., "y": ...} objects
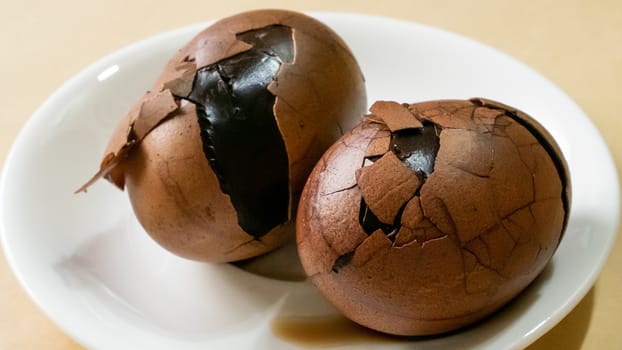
[{"x": 89, "y": 265}]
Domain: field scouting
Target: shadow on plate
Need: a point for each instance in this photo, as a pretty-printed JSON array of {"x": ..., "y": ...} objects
[
  {"x": 124, "y": 273},
  {"x": 335, "y": 330}
]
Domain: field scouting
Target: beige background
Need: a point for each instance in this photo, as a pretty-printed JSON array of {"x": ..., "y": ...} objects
[{"x": 576, "y": 44}]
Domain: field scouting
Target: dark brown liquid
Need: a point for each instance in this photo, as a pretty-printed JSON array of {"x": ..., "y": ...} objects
[{"x": 324, "y": 331}]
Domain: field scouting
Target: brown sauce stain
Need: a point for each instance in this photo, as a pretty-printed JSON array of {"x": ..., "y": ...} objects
[{"x": 324, "y": 331}]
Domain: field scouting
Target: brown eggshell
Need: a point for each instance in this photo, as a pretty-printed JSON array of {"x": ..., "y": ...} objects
[
  {"x": 318, "y": 96},
  {"x": 479, "y": 228},
  {"x": 174, "y": 191},
  {"x": 200, "y": 219}
]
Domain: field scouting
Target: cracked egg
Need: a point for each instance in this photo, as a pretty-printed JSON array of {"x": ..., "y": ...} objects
[
  {"x": 430, "y": 216},
  {"x": 215, "y": 155}
]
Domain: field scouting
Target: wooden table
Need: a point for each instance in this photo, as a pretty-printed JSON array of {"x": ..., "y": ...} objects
[{"x": 576, "y": 44}]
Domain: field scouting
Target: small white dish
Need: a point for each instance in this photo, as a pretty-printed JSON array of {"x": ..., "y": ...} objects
[{"x": 91, "y": 268}]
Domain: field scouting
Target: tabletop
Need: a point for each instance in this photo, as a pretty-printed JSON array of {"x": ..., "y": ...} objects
[{"x": 574, "y": 43}]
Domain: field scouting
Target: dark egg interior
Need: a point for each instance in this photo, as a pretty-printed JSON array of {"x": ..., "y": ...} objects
[{"x": 241, "y": 138}]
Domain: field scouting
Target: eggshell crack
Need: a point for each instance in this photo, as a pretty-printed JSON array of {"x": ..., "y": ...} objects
[{"x": 455, "y": 243}]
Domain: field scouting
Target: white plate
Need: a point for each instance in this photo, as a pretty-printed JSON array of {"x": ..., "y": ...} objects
[{"x": 87, "y": 263}]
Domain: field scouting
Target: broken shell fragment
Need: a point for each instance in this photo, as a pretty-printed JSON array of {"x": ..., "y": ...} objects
[
  {"x": 215, "y": 156},
  {"x": 428, "y": 217}
]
